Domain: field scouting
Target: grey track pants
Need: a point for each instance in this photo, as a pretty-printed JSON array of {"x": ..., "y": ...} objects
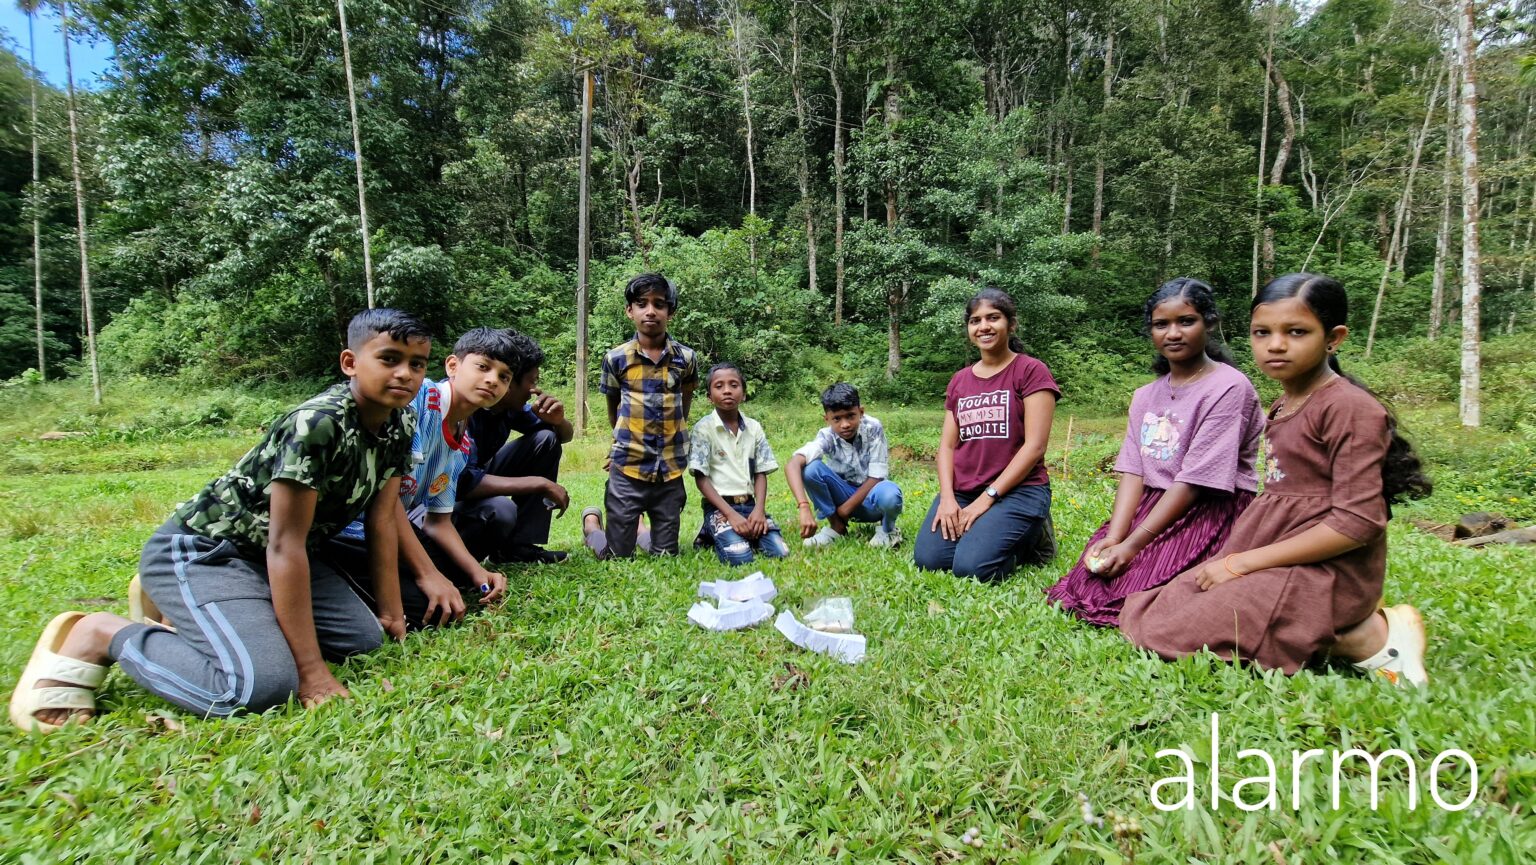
[{"x": 228, "y": 652}]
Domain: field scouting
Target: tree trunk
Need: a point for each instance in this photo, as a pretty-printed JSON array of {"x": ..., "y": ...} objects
[
  {"x": 1282, "y": 159},
  {"x": 1066, "y": 199},
  {"x": 803, "y": 168},
  {"x": 357, "y": 150},
  {"x": 583, "y": 253},
  {"x": 81, "y": 233},
  {"x": 741, "y": 51},
  {"x": 1443, "y": 236},
  {"x": 632, "y": 197},
  {"x": 1258, "y": 186},
  {"x": 1098, "y": 159},
  {"x": 1471, "y": 260},
  {"x": 895, "y": 289},
  {"x": 35, "y": 196},
  {"x": 839, "y": 156},
  {"x": 1404, "y": 201}
]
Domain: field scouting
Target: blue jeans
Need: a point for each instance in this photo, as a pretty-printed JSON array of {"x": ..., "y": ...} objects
[
  {"x": 732, "y": 548},
  {"x": 827, "y": 490},
  {"x": 990, "y": 550}
]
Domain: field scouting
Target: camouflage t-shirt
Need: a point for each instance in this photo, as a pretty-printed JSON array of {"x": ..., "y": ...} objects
[{"x": 322, "y": 445}]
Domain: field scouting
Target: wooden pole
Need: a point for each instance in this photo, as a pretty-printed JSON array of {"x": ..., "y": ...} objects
[
  {"x": 583, "y": 242},
  {"x": 357, "y": 150}
]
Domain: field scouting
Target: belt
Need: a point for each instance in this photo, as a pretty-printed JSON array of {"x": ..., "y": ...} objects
[{"x": 738, "y": 500}]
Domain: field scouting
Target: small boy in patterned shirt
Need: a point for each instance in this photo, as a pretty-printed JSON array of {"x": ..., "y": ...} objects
[
  {"x": 253, "y": 616},
  {"x": 649, "y": 382}
]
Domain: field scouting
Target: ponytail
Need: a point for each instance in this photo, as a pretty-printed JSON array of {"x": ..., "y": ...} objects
[
  {"x": 1402, "y": 472},
  {"x": 1015, "y": 344}
]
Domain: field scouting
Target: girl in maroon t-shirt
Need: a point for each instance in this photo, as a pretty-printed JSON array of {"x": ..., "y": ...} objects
[{"x": 994, "y": 498}]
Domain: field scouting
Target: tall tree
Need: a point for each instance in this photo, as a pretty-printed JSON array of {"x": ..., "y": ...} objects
[
  {"x": 82, "y": 233},
  {"x": 30, "y": 7},
  {"x": 1443, "y": 236},
  {"x": 1471, "y": 403},
  {"x": 357, "y": 149}
]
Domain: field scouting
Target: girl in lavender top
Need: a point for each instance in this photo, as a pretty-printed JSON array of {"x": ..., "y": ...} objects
[{"x": 1186, "y": 465}]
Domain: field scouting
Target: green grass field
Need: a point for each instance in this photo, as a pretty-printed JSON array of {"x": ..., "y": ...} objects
[{"x": 586, "y": 720}]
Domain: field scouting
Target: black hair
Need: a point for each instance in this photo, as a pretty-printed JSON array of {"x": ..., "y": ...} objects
[
  {"x": 1005, "y": 305},
  {"x": 840, "y": 397},
  {"x": 526, "y": 353},
  {"x": 1199, "y": 295},
  {"x": 1402, "y": 473},
  {"x": 709, "y": 377},
  {"x": 400, "y": 325},
  {"x": 487, "y": 342},
  {"x": 647, "y": 283}
]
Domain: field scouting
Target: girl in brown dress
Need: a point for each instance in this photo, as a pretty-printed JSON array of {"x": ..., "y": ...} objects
[{"x": 1301, "y": 574}]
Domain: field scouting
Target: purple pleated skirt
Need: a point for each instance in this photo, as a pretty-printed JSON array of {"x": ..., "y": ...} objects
[{"x": 1193, "y": 538}]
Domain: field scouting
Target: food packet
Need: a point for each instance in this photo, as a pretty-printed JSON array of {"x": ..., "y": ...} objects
[{"x": 831, "y": 616}]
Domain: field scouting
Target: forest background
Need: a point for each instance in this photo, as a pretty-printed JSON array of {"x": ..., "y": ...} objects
[{"x": 825, "y": 180}]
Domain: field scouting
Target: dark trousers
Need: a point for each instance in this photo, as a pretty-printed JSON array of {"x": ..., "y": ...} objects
[
  {"x": 1017, "y": 527},
  {"x": 493, "y": 526},
  {"x": 625, "y": 501},
  {"x": 350, "y": 559}
]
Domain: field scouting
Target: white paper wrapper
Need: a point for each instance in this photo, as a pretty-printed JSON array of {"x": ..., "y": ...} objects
[
  {"x": 753, "y": 587},
  {"x": 730, "y": 615},
  {"x": 848, "y": 648}
]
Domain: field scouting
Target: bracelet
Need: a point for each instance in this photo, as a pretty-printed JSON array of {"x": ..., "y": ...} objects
[
  {"x": 804, "y": 504},
  {"x": 1227, "y": 563},
  {"x": 1144, "y": 528}
]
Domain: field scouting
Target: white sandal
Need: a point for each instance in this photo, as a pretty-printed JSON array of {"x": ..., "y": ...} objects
[{"x": 82, "y": 678}]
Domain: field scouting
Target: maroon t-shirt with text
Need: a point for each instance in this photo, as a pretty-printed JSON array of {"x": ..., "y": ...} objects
[{"x": 990, "y": 413}]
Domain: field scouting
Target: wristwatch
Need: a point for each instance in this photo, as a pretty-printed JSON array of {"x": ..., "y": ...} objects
[{"x": 992, "y": 493}]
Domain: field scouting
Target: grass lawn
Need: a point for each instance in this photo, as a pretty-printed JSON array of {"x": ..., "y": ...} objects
[{"x": 586, "y": 720}]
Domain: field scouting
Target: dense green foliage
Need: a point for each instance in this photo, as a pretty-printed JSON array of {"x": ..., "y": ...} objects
[
  {"x": 587, "y": 721},
  {"x": 225, "y": 218}
]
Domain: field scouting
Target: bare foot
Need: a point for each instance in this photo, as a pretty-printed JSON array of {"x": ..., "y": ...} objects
[{"x": 87, "y": 641}]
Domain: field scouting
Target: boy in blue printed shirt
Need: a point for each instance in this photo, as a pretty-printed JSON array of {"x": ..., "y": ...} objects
[
  {"x": 649, "y": 382},
  {"x": 730, "y": 460},
  {"x": 852, "y": 484},
  {"x": 435, "y": 564},
  {"x": 254, "y": 614}
]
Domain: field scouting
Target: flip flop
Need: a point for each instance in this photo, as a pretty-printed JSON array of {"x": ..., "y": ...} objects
[{"x": 82, "y": 678}]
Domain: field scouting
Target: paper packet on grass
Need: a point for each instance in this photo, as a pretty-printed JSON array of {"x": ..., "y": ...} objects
[
  {"x": 730, "y": 615},
  {"x": 753, "y": 587},
  {"x": 848, "y": 648}
]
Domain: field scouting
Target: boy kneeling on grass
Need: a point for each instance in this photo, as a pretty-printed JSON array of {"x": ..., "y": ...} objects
[
  {"x": 436, "y": 565},
  {"x": 730, "y": 460},
  {"x": 852, "y": 484},
  {"x": 255, "y": 618}
]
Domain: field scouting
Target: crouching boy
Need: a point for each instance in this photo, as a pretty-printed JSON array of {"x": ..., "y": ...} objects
[
  {"x": 844, "y": 473},
  {"x": 436, "y": 567},
  {"x": 255, "y": 617},
  {"x": 730, "y": 460}
]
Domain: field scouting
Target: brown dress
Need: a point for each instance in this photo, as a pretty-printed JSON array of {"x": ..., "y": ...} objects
[{"x": 1321, "y": 465}]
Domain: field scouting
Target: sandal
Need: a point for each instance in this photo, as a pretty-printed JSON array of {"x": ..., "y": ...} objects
[
  {"x": 82, "y": 678},
  {"x": 140, "y": 607}
]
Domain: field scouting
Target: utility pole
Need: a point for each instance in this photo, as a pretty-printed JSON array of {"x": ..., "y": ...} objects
[
  {"x": 583, "y": 242},
  {"x": 357, "y": 150}
]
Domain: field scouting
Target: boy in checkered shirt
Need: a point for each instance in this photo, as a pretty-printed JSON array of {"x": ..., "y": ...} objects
[{"x": 649, "y": 382}]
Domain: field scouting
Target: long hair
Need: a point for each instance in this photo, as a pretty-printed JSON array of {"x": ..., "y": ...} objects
[
  {"x": 1402, "y": 473},
  {"x": 1004, "y": 304},
  {"x": 1198, "y": 295}
]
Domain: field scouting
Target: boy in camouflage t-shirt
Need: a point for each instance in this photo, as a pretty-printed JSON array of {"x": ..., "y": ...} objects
[{"x": 255, "y": 616}]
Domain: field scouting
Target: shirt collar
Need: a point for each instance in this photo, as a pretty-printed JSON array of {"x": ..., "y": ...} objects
[{"x": 667, "y": 351}]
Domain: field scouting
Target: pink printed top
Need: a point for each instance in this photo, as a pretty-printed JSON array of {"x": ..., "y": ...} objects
[
  {"x": 1204, "y": 433},
  {"x": 990, "y": 413}
]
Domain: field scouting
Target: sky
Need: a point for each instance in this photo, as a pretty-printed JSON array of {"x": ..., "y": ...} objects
[{"x": 90, "y": 58}]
